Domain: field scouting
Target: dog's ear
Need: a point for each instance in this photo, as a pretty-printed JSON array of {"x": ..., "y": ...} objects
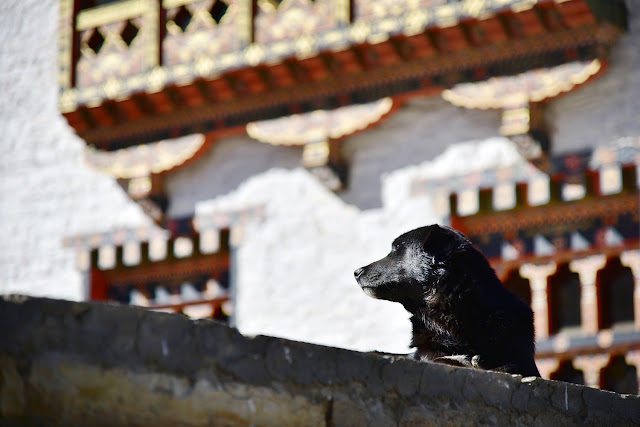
[{"x": 442, "y": 242}]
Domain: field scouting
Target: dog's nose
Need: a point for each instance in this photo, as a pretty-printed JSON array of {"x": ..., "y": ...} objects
[{"x": 358, "y": 272}]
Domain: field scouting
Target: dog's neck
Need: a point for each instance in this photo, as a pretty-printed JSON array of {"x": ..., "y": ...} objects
[
  {"x": 412, "y": 307},
  {"x": 437, "y": 329},
  {"x": 433, "y": 339}
]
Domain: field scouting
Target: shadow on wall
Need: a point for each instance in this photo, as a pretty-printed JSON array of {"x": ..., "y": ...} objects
[
  {"x": 228, "y": 164},
  {"x": 421, "y": 130},
  {"x": 412, "y": 135}
]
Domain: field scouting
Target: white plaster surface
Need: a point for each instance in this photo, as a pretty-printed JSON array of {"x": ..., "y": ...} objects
[
  {"x": 419, "y": 131},
  {"x": 46, "y": 191},
  {"x": 294, "y": 273},
  {"x": 222, "y": 169},
  {"x": 608, "y": 108}
]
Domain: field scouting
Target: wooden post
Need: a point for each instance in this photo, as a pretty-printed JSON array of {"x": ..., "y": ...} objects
[
  {"x": 538, "y": 279},
  {"x": 547, "y": 365},
  {"x": 631, "y": 259},
  {"x": 587, "y": 268},
  {"x": 591, "y": 365},
  {"x": 633, "y": 358}
]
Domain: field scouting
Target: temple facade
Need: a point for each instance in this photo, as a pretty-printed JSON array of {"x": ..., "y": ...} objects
[{"x": 254, "y": 153}]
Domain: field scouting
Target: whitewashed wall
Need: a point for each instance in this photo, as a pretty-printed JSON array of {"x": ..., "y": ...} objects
[
  {"x": 294, "y": 268},
  {"x": 222, "y": 169},
  {"x": 46, "y": 192},
  {"x": 608, "y": 108}
]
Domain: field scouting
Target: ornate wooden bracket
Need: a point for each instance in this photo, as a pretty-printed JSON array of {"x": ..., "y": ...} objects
[
  {"x": 140, "y": 170},
  {"x": 320, "y": 132},
  {"x": 522, "y": 99}
]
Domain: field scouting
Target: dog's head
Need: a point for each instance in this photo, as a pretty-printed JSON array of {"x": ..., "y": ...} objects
[{"x": 412, "y": 269}]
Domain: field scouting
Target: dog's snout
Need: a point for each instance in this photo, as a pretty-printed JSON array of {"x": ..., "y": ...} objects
[{"x": 358, "y": 272}]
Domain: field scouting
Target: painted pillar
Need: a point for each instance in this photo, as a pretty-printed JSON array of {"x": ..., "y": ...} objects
[
  {"x": 587, "y": 268},
  {"x": 547, "y": 365},
  {"x": 631, "y": 259},
  {"x": 591, "y": 365},
  {"x": 538, "y": 280},
  {"x": 633, "y": 358}
]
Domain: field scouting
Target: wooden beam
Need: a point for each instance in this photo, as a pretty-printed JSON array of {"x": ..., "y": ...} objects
[
  {"x": 280, "y": 75},
  {"x": 455, "y": 38},
  {"x": 494, "y": 29},
  {"x": 161, "y": 102},
  {"x": 531, "y": 22},
  {"x": 576, "y": 13},
  {"x": 131, "y": 109},
  {"x": 317, "y": 68},
  {"x": 551, "y": 17},
  {"x": 404, "y": 64},
  {"x": 101, "y": 116},
  {"x": 298, "y": 71},
  {"x": 192, "y": 95}
]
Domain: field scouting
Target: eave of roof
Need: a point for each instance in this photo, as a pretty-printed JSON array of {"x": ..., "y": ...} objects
[{"x": 426, "y": 62}]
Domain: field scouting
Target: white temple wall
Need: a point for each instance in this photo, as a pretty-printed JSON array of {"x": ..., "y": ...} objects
[
  {"x": 607, "y": 108},
  {"x": 419, "y": 131},
  {"x": 46, "y": 191},
  {"x": 294, "y": 267},
  {"x": 229, "y": 163}
]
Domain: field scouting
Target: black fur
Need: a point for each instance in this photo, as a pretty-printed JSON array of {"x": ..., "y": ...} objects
[{"x": 461, "y": 312}]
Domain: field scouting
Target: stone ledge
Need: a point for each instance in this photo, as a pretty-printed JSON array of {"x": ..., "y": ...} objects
[{"x": 68, "y": 363}]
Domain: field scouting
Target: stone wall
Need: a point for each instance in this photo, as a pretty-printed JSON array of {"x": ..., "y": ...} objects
[{"x": 66, "y": 363}]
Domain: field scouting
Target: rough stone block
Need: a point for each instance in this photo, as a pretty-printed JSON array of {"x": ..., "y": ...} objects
[{"x": 164, "y": 369}]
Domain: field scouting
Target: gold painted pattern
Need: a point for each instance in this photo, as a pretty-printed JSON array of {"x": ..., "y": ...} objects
[
  {"x": 320, "y": 125},
  {"x": 373, "y": 21},
  {"x": 203, "y": 38},
  {"x": 113, "y": 12},
  {"x": 65, "y": 43},
  {"x": 115, "y": 60},
  {"x": 294, "y": 18},
  {"x": 142, "y": 160},
  {"x": 517, "y": 91}
]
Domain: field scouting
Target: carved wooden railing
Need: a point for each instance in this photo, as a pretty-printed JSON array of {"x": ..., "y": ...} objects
[
  {"x": 123, "y": 47},
  {"x": 139, "y": 71}
]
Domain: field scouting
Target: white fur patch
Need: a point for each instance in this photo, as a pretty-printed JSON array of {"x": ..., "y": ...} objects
[{"x": 369, "y": 291}]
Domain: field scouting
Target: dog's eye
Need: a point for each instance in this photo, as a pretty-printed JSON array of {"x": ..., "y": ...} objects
[{"x": 396, "y": 248}]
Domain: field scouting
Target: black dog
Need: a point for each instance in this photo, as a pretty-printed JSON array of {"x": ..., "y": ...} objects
[{"x": 462, "y": 314}]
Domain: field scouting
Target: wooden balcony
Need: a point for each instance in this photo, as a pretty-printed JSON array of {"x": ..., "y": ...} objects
[{"x": 138, "y": 71}]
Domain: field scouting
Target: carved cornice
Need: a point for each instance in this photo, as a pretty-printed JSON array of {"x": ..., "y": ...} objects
[
  {"x": 143, "y": 160},
  {"x": 409, "y": 49}
]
